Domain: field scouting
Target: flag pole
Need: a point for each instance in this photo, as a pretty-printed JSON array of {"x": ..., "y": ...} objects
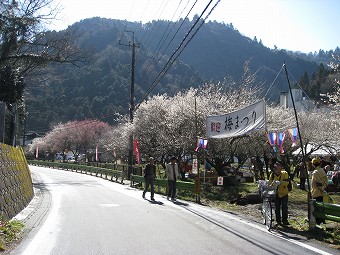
[
  {"x": 301, "y": 144},
  {"x": 204, "y": 167}
]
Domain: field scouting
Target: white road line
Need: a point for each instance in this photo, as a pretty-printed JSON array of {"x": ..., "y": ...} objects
[{"x": 109, "y": 205}]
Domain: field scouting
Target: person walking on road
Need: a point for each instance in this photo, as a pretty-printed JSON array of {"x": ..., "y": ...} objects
[
  {"x": 172, "y": 173},
  {"x": 281, "y": 199},
  {"x": 149, "y": 176}
]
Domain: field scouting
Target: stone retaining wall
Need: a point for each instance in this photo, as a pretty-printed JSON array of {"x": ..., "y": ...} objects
[{"x": 16, "y": 189}]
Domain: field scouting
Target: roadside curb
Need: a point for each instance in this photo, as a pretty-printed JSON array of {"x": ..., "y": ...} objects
[{"x": 37, "y": 209}]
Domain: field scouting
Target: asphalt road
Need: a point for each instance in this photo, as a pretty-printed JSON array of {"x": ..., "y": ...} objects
[{"x": 78, "y": 214}]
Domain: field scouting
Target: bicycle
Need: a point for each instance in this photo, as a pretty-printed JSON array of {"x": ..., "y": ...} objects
[{"x": 268, "y": 194}]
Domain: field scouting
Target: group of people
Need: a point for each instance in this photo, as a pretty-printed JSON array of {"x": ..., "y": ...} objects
[
  {"x": 319, "y": 183},
  {"x": 172, "y": 173}
]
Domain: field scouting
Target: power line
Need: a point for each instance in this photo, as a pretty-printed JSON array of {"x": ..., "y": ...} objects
[
  {"x": 172, "y": 39},
  {"x": 151, "y": 32},
  {"x": 180, "y": 49},
  {"x": 297, "y": 83},
  {"x": 274, "y": 80}
]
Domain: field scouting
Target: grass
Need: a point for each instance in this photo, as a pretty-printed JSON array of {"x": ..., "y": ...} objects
[
  {"x": 9, "y": 231},
  {"x": 327, "y": 233}
]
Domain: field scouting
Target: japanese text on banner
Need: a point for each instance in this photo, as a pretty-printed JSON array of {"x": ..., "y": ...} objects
[{"x": 237, "y": 123}]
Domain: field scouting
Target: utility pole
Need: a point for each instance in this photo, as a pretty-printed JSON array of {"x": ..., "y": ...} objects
[
  {"x": 14, "y": 124},
  {"x": 198, "y": 180},
  {"x": 2, "y": 121},
  {"x": 132, "y": 97}
]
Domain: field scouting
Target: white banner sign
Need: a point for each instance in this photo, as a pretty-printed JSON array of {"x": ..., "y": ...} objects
[{"x": 250, "y": 118}]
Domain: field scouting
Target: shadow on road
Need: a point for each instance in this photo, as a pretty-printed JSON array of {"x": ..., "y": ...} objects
[
  {"x": 154, "y": 202},
  {"x": 180, "y": 203}
]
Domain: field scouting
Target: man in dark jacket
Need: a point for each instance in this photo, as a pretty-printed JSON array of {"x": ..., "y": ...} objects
[{"x": 149, "y": 175}]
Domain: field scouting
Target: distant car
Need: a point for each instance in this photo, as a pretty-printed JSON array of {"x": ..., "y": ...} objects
[
  {"x": 81, "y": 157},
  {"x": 70, "y": 158},
  {"x": 59, "y": 156}
]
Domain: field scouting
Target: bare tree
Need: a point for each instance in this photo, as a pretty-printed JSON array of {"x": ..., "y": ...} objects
[
  {"x": 24, "y": 43},
  {"x": 26, "y": 48}
]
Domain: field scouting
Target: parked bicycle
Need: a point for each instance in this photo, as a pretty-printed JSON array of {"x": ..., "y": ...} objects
[{"x": 268, "y": 193}]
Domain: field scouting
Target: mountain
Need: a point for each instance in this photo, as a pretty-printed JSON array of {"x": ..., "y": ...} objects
[{"x": 102, "y": 88}]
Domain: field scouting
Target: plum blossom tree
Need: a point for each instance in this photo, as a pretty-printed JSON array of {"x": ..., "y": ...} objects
[
  {"x": 116, "y": 140},
  {"x": 318, "y": 131},
  {"x": 74, "y": 136},
  {"x": 170, "y": 125},
  {"x": 320, "y": 126},
  {"x": 165, "y": 125},
  {"x": 151, "y": 127},
  {"x": 37, "y": 143},
  {"x": 335, "y": 97}
]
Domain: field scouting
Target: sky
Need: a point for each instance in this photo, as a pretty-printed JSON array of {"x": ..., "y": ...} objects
[{"x": 297, "y": 25}]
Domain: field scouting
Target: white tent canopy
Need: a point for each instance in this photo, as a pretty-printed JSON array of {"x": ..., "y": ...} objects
[{"x": 322, "y": 151}]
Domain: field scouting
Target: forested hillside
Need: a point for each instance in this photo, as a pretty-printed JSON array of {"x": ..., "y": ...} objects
[{"x": 101, "y": 89}]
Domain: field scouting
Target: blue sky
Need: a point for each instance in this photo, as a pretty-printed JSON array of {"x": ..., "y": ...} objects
[{"x": 298, "y": 25}]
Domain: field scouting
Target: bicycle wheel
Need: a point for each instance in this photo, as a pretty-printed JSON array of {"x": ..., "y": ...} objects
[{"x": 268, "y": 215}]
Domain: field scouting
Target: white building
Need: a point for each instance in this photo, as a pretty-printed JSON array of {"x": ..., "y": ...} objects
[{"x": 300, "y": 101}]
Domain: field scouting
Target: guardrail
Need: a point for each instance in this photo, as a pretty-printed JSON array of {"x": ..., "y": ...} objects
[
  {"x": 180, "y": 185},
  {"x": 84, "y": 169},
  {"x": 326, "y": 211}
]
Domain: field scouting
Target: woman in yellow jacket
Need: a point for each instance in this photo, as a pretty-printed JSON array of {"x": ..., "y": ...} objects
[
  {"x": 319, "y": 183},
  {"x": 281, "y": 199}
]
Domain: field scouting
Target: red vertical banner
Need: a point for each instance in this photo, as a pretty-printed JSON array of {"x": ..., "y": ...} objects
[
  {"x": 136, "y": 150},
  {"x": 97, "y": 152},
  {"x": 194, "y": 166},
  {"x": 36, "y": 152}
]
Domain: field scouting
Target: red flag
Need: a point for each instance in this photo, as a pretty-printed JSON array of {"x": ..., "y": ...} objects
[
  {"x": 36, "y": 152},
  {"x": 136, "y": 150},
  {"x": 97, "y": 152}
]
